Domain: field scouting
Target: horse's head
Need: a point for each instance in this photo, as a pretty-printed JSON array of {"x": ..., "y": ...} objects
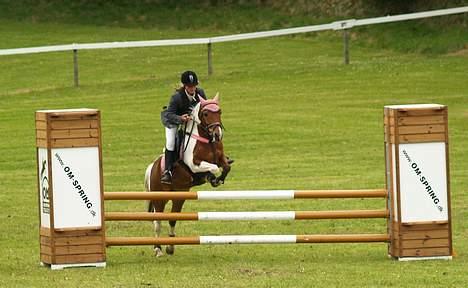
[{"x": 210, "y": 118}]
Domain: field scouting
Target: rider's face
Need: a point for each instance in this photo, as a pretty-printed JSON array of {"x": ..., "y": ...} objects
[{"x": 190, "y": 89}]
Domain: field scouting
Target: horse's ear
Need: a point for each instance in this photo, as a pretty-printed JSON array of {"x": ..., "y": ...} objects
[
  {"x": 202, "y": 101},
  {"x": 216, "y": 98}
]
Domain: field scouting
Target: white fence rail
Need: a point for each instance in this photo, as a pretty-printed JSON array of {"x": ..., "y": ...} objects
[{"x": 337, "y": 25}]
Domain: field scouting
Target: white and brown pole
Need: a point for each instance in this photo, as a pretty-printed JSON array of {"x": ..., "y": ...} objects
[{"x": 247, "y": 239}]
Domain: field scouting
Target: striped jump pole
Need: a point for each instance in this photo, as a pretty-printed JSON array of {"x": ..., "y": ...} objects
[
  {"x": 247, "y": 239},
  {"x": 246, "y": 194},
  {"x": 264, "y": 215}
]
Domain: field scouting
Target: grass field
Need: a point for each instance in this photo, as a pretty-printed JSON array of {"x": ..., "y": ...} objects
[{"x": 296, "y": 118}]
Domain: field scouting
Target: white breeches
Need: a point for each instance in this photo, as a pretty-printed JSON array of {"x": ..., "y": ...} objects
[{"x": 170, "y": 138}]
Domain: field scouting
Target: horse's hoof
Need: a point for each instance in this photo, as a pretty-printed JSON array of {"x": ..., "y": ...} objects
[
  {"x": 158, "y": 252},
  {"x": 170, "y": 249},
  {"x": 214, "y": 182},
  {"x": 219, "y": 181}
]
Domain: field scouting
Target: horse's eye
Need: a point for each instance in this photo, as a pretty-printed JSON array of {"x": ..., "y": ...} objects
[{"x": 205, "y": 114}]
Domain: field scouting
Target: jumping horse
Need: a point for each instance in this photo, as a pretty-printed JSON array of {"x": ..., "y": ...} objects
[{"x": 202, "y": 158}]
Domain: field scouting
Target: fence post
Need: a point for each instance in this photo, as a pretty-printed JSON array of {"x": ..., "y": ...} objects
[
  {"x": 345, "y": 46},
  {"x": 210, "y": 64},
  {"x": 75, "y": 67}
]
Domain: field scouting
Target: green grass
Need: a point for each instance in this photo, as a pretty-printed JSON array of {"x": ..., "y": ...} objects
[
  {"x": 181, "y": 15},
  {"x": 296, "y": 118},
  {"x": 89, "y": 21},
  {"x": 428, "y": 36}
]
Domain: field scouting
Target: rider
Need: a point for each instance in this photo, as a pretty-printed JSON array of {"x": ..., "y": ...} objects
[{"x": 178, "y": 112}]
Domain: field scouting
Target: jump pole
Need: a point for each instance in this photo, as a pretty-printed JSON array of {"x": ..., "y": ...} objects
[
  {"x": 239, "y": 216},
  {"x": 246, "y": 194},
  {"x": 247, "y": 239}
]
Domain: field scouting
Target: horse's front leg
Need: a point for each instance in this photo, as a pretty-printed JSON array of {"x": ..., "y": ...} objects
[
  {"x": 176, "y": 208},
  {"x": 225, "y": 170}
]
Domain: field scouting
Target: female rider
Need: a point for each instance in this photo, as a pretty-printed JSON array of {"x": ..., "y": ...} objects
[{"x": 178, "y": 112}]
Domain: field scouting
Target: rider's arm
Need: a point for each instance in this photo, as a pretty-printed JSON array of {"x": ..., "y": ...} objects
[{"x": 170, "y": 114}]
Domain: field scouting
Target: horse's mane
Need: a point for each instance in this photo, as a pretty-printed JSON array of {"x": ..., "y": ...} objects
[{"x": 195, "y": 112}]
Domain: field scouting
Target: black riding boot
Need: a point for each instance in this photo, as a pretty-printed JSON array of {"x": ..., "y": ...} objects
[{"x": 169, "y": 162}]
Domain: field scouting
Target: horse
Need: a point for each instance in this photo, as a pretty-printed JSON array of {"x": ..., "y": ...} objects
[{"x": 201, "y": 160}]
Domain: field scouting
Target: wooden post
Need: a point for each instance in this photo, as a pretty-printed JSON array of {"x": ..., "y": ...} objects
[
  {"x": 70, "y": 188},
  {"x": 210, "y": 64},
  {"x": 416, "y": 149},
  {"x": 345, "y": 46},
  {"x": 75, "y": 68}
]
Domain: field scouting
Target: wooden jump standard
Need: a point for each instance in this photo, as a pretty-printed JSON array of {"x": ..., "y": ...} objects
[{"x": 71, "y": 195}]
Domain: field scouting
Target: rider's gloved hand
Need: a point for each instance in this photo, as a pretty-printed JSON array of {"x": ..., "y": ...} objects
[{"x": 185, "y": 118}]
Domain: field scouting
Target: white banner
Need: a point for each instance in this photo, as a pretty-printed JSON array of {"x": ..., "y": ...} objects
[
  {"x": 43, "y": 174},
  {"x": 76, "y": 187},
  {"x": 423, "y": 182}
]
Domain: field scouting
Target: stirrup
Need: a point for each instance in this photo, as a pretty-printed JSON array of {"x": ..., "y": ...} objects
[{"x": 167, "y": 177}]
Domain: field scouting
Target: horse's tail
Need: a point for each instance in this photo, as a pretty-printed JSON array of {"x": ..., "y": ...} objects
[
  {"x": 149, "y": 203},
  {"x": 148, "y": 177}
]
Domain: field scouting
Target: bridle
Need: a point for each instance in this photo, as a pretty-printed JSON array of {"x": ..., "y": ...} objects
[
  {"x": 210, "y": 128},
  {"x": 212, "y": 107}
]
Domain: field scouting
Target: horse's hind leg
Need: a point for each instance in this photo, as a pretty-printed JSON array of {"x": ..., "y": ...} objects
[
  {"x": 176, "y": 207},
  {"x": 158, "y": 206}
]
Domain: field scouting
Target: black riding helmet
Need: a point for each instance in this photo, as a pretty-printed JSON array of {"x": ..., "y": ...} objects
[{"x": 189, "y": 78}]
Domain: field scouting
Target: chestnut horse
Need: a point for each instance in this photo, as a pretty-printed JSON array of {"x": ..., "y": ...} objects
[{"x": 203, "y": 157}]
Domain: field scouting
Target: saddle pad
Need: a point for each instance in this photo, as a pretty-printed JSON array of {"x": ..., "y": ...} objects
[{"x": 163, "y": 163}]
